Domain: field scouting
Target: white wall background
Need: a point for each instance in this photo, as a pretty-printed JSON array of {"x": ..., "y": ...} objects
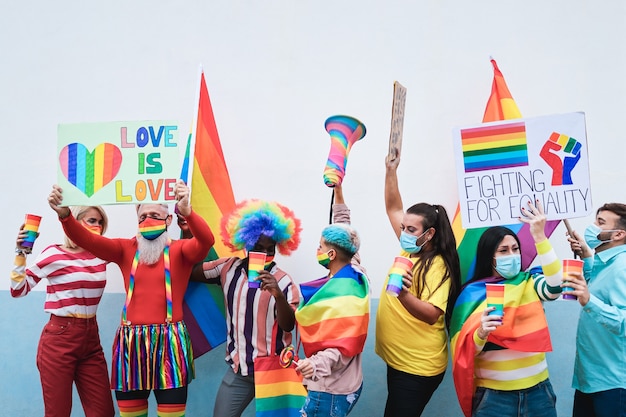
[{"x": 277, "y": 69}]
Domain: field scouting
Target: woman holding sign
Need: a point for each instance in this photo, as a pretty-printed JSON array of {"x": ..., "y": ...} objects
[
  {"x": 410, "y": 328},
  {"x": 499, "y": 359},
  {"x": 69, "y": 349}
]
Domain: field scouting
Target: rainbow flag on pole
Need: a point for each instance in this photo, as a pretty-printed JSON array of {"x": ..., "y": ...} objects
[
  {"x": 500, "y": 106},
  {"x": 211, "y": 197}
]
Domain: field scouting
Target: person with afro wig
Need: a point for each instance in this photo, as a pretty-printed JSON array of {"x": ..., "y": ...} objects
[{"x": 252, "y": 226}]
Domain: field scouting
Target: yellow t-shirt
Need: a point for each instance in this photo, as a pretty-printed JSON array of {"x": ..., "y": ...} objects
[{"x": 406, "y": 343}]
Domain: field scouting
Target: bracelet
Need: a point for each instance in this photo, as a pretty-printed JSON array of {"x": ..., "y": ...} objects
[
  {"x": 22, "y": 252},
  {"x": 479, "y": 336}
]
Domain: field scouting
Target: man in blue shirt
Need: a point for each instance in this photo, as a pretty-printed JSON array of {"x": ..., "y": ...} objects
[{"x": 600, "y": 367}]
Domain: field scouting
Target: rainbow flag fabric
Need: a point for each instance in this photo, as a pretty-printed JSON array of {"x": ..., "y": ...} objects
[
  {"x": 521, "y": 306},
  {"x": 335, "y": 313},
  {"x": 500, "y": 106},
  {"x": 278, "y": 391},
  {"x": 494, "y": 147},
  {"x": 211, "y": 198}
]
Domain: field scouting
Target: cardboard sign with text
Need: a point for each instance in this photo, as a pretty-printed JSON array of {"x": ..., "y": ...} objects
[
  {"x": 118, "y": 162},
  {"x": 503, "y": 165}
]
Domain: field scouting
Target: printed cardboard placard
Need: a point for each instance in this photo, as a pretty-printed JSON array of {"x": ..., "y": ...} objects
[
  {"x": 503, "y": 165},
  {"x": 118, "y": 162}
]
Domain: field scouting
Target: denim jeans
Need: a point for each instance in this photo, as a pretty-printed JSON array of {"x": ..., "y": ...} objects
[
  {"x": 323, "y": 404},
  {"x": 609, "y": 403},
  {"x": 537, "y": 401}
]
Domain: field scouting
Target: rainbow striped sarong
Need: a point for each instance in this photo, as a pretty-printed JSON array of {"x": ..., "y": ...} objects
[
  {"x": 335, "y": 313},
  {"x": 522, "y": 307}
]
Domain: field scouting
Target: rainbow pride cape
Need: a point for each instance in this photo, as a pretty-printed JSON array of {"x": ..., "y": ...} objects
[
  {"x": 522, "y": 307},
  {"x": 211, "y": 198},
  {"x": 500, "y": 106},
  {"x": 335, "y": 313}
]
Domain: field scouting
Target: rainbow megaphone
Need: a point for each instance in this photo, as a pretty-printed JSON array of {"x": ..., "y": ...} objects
[{"x": 344, "y": 132}]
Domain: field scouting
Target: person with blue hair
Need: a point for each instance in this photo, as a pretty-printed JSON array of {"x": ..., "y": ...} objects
[
  {"x": 251, "y": 313},
  {"x": 333, "y": 319}
]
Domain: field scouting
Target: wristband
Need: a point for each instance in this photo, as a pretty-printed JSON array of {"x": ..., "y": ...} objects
[{"x": 22, "y": 252}]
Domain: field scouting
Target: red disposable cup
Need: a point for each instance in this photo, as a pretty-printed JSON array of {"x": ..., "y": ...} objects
[{"x": 571, "y": 265}]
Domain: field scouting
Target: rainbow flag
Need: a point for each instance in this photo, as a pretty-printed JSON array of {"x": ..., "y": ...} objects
[
  {"x": 500, "y": 106},
  {"x": 335, "y": 313},
  {"x": 521, "y": 305},
  {"x": 494, "y": 147},
  {"x": 211, "y": 198},
  {"x": 278, "y": 391}
]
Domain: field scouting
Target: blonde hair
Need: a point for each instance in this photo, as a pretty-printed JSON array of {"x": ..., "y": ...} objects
[{"x": 79, "y": 212}]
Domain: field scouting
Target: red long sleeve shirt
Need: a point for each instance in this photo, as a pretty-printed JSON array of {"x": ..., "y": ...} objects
[{"x": 148, "y": 303}]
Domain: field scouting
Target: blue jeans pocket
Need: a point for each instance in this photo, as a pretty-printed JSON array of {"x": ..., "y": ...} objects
[{"x": 479, "y": 399}]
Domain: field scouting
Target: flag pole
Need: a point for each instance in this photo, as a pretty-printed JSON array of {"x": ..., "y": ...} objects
[{"x": 194, "y": 126}]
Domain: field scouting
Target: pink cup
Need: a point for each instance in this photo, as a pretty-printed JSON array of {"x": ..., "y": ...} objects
[
  {"x": 571, "y": 265},
  {"x": 399, "y": 267},
  {"x": 256, "y": 263}
]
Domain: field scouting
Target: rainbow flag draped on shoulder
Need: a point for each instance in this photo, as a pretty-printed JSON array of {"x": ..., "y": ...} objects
[
  {"x": 335, "y": 313},
  {"x": 522, "y": 306}
]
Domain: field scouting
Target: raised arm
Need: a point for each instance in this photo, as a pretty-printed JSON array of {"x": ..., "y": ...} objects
[
  {"x": 393, "y": 200},
  {"x": 100, "y": 246},
  {"x": 196, "y": 248},
  {"x": 548, "y": 285}
]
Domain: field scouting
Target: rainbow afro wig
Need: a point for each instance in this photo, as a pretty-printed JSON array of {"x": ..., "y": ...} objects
[
  {"x": 342, "y": 236},
  {"x": 241, "y": 228}
]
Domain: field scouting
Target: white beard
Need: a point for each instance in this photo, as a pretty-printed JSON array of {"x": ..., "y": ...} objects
[{"x": 150, "y": 251}]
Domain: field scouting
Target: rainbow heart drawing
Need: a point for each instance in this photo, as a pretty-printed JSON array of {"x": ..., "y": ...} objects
[{"x": 90, "y": 171}]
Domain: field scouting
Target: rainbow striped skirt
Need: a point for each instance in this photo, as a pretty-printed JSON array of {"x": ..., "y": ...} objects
[{"x": 152, "y": 356}]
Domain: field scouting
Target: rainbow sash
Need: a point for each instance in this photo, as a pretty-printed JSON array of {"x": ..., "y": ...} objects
[
  {"x": 522, "y": 307},
  {"x": 335, "y": 313}
]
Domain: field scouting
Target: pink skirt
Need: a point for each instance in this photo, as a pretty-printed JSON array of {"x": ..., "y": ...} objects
[{"x": 152, "y": 356}]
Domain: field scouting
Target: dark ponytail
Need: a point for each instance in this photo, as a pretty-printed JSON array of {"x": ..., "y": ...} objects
[{"x": 444, "y": 244}]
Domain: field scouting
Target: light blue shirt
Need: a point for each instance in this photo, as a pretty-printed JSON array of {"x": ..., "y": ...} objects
[{"x": 601, "y": 337}]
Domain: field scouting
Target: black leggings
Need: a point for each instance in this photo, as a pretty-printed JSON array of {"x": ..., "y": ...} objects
[
  {"x": 409, "y": 394},
  {"x": 163, "y": 396}
]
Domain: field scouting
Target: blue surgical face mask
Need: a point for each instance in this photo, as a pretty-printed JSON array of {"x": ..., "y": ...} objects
[
  {"x": 508, "y": 266},
  {"x": 591, "y": 236},
  {"x": 408, "y": 242}
]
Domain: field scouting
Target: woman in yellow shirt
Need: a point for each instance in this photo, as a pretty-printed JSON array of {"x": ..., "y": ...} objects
[{"x": 411, "y": 328}]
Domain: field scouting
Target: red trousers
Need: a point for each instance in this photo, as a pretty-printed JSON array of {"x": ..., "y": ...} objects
[{"x": 70, "y": 352}]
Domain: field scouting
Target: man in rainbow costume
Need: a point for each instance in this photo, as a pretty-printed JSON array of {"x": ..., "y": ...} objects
[{"x": 151, "y": 350}]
